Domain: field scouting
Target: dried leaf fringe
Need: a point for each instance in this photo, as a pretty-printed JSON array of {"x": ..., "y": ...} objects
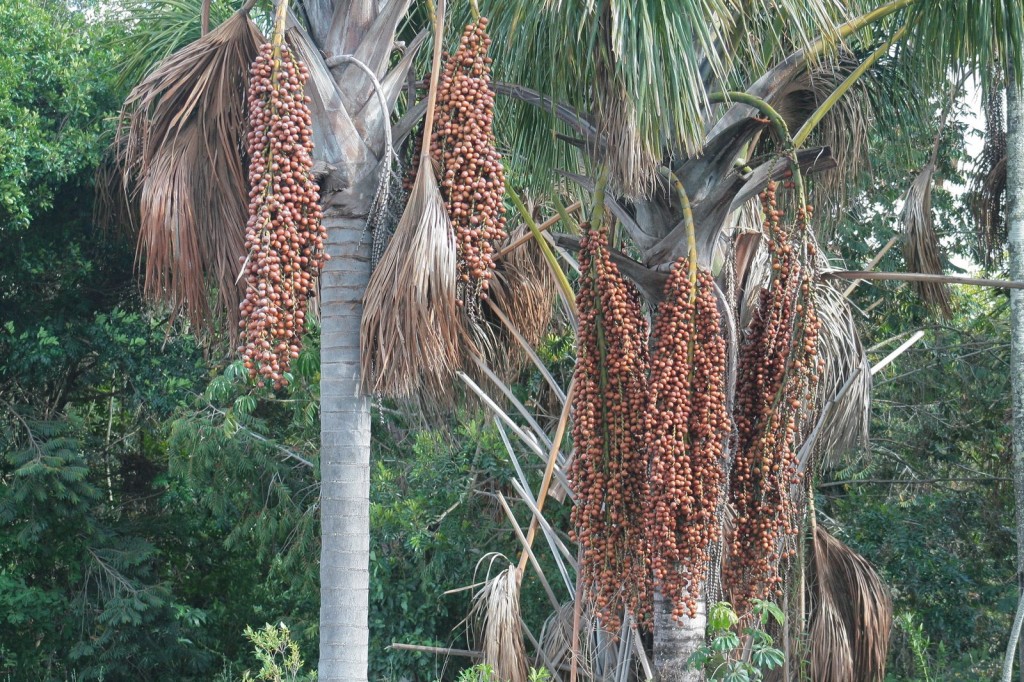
[
  {"x": 851, "y": 614},
  {"x": 921, "y": 244},
  {"x": 180, "y": 153},
  {"x": 844, "y": 386},
  {"x": 411, "y": 326},
  {"x": 988, "y": 188},
  {"x": 497, "y": 622},
  {"x": 523, "y": 289}
]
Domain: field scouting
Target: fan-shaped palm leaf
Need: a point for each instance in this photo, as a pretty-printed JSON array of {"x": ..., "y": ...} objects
[
  {"x": 921, "y": 243},
  {"x": 851, "y": 614},
  {"x": 181, "y": 150}
]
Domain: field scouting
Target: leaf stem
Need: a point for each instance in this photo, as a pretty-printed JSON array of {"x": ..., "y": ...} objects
[
  {"x": 549, "y": 255},
  {"x": 691, "y": 232},
  {"x": 826, "y": 106}
]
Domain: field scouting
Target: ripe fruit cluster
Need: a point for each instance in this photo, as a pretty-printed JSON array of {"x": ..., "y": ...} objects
[
  {"x": 462, "y": 145},
  {"x": 284, "y": 236},
  {"x": 777, "y": 369},
  {"x": 609, "y": 472},
  {"x": 687, "y": 428}
]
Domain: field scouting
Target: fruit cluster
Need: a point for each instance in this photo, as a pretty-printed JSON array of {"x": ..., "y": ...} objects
[
  {"x": 462, "y": 145},
  {"x": 777, "y": 368},
  {"x": 609, "y": 472},
  {"x": 284, "y": 236},
  {"x": 687, "y": 429}
]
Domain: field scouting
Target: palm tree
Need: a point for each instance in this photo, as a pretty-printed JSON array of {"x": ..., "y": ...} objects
[
  {"x": 662, "y": 80},
  {"x": 1015, "y": 247}
]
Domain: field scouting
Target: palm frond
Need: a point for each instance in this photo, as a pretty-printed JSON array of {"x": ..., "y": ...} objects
[
  {"x": 412, "y": 329},
  {"x": 600, "y": 654},
  {"x": 180, "y": 148},
  {"x": 851, "y": 614},
  {"x": 498, "y": 625},
  {"x": 921, "y": 243},
  {"x": 951, "y": 36},
  {"x": 411, "y": 332},
  {"x": 988, "y": 187},
  {"x": 155, "y": 31},
  {"x": 640, "y": 70},
  {"x": 844, "y": 385},
  {"x": 523, "y": 289}
]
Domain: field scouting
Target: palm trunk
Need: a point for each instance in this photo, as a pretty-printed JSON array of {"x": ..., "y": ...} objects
[
  {"x": 344, "y": 456},
  {"x": 1015, "y": 245},
  {"x": 674, "y": 642}
]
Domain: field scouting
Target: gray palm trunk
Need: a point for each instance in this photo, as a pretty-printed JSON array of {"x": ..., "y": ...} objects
[
  {"x": 344, "y": 456},
  {"x": 349, "y": 131},
  {"x": 1015, "y": 246},
  {"x": 675, "y": 641}
]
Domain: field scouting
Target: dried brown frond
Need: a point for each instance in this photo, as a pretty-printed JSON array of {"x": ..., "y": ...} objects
[
  {"x": 180, "y": 149},
  {"x": 411, "y": 328},
  {"x": 921, "y": 244},
  {"x": 988, "y": 189},
  {"x": 523, "y": 289},
  {"x": 497, "y": 625},
  {"x": 844, "y": 385},
  {"x": 844, "y": 129},
  {"x": 598, "y": 655},
  {"x": 851, "y": 614}
]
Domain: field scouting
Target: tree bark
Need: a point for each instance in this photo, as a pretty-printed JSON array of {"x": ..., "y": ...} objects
[
  {"x": 674, "y": 642},
  {"x": 1015, "y": 246},
  {"x": 344, "y": 455}
]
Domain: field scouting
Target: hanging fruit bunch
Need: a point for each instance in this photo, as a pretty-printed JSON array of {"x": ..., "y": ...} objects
[
  {"x": 687, "y": 428},
  {"x": 778, "y": 366},
  {"x": 462, "y": 146},
  {"x": 609, "y": 472},
  {"x": 284, "y": 236}
]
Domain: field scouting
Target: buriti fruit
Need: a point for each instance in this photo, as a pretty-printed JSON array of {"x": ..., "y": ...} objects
[
  {"x": 609, "y": 472},
  {"x": 284, "y": 236}
]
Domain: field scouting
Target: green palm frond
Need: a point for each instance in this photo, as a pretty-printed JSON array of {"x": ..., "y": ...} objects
[
  {"x": 973, "y": 35},
  {"x": 640, "y": 69}
]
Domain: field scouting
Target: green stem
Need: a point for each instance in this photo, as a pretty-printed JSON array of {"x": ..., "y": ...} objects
[
  {"x": 754, "y": 101},
  {"x": 563, "y": 215},
  {"x": 597, "y": 210},
  {"x": 549, "y": 255},
  {"x": 691, "y": 232},
  {"x": 826, "y": 106},
  {"x": 857, "y": 23},
  {"x": 780, "y": 126}
]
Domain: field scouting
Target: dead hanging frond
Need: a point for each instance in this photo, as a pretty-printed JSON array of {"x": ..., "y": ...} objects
[
  {"x": 921, "y": 243},
  {"x": 988, "y": 188},
  {"x": 599, "y": 653},
  {"x": 412, "y": 327},
  {"x": 844, "y": 385},
  {"x": 851, "y": 614},
  {"x": 496, "y": 623},
  {"x": 523, "y": 290},
  {"x": 180, "y": 153}
]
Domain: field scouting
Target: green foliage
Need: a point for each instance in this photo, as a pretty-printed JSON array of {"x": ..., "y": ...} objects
[
  {"x": 723, "y": 657},
  {"x": 930, "y": 506},
  {"x": 482, "y": 672},
  {"x": 52, "y": 93},
  {"x": 278, "y": 655}
]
